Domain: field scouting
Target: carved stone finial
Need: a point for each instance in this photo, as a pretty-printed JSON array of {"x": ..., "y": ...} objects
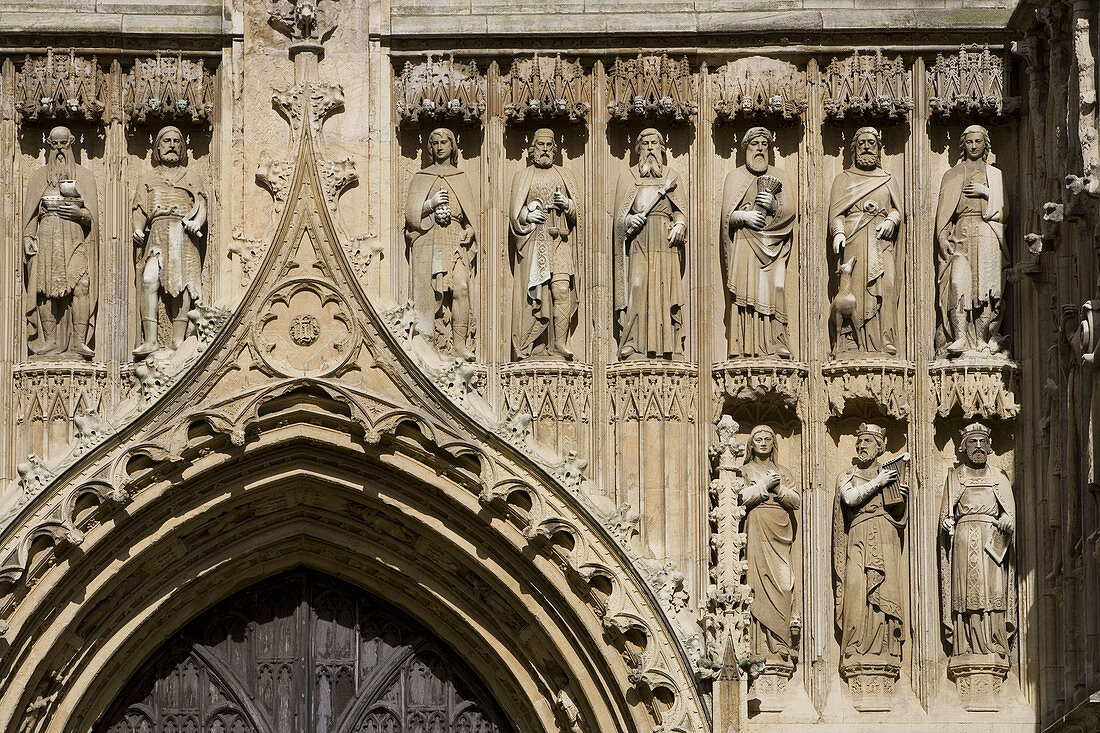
[
  {"x": 867, "y": 87},
  {"x": 440, "y": 91},
  {"x": 652, "y": 88},
  {"x": 60, "y": 86}
]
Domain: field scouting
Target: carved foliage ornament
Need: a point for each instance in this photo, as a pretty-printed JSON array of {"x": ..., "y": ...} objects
[
  {"x": 60, "y": 85},
  {"x": 305, "y": 21},
  {"x": 165, "y": 89},
  {"x": 867, "y": 87},
  {"x": 762, "y": 90},
  {"x": 545, "y": 88},
  {"x": 969, "y": 85},
  {"x": 652, "y": 88},
  {"x": 440, "y": 91}
]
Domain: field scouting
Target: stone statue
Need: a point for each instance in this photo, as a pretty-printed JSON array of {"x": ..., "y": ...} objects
[
  {"x": 970, "y": 250},
  {"x": 977, "y": 519},
  {"x": 865, "y": 213},
  {"x": 758, "y": 215},
  {"x": 650, "y": 229},
  {"x": 440, "y": 210},
  {"x": 771, "y": 498},
  {"x": 61, "y": 252},
  {"x": 169, "y": 213},
  {"x": 543, "y": 219},
  {"x": 869, "y": 512}
]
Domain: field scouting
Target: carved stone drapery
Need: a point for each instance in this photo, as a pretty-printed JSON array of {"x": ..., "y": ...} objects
[
  {"x": 975, "y": 388},
  {"x": 867, "y": 88},
  {"x": 440, "y": 91},
  {"x": 869, "y": 387},
  {"x": 165, "y": 89},
  {"x": 763, "y": 384},
  {"x": 652, "y": 88},
  {"x": 969, "y": 85},
  {"x": 760, "y": 89},
  {"x": 60, "y": 85},
  {"x": 546, "y": 88}
]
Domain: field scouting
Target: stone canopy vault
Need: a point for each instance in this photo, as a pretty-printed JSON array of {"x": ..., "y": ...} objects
[{"x": 652, "y": 367}]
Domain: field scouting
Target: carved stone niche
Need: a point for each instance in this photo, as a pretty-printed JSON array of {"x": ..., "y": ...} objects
[
  {"x": 51, "y": 400},
  {"x": 165, "y": 89},
  {"x": 970, "y": 86},
  {"x": 983, "y": 388},
  {"x": 762, "y": 90},
  {"x": 652, "y": 89},
  {"x": 60, "y": 86},
  {"x": 557, "y": 396},
  {"x": 869, "y": 387},
  {"x": 867, "y": 88},
  {"x": 440, "y": 91},
  {"x": 546, "y": 89},
  {"x": 763, "y": 385}
]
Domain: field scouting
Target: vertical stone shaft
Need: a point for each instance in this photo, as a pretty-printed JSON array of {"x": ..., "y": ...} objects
[{"x": 11, "y": 285}]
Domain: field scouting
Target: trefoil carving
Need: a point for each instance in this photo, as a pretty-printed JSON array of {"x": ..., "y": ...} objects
[
  {"x": 166, "y": 89},
  {"x": 60, "y": 85},
  {"x": 969, "y": 85},
  {"x": 440, "y": 91},
  {"x": 867, "y": 88},
  {"x": 545, "y": 88},
  {"x": 652, "y": 88},
  {"x": 760, "y": 89}
]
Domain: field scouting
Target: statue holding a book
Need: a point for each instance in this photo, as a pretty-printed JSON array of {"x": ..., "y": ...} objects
[{"x": 977, "y": 522}]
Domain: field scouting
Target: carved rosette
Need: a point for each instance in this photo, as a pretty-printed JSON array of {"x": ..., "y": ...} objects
[
  {"x": 768, "y": 383},
  {"x": 871, "y": 386},
  {"x": 970, "y": 86},
  {"x": 440, "y": 92},
  {"x": 759, "y": 89},
  {"x": 546, "y": 88},
  {"x": 867, "y": 88},
  {"x": 50, "y": 399},
  {"x": 60, "y": 86},
  {"x": 652, "y": 89},
  {"x": 983, "y": 388},
  {"x": 644, "y": 390},
  {"x": 307, "y": 330},
  {"x": 978, "y": 678},
  {"x": 168, "y": 89}
]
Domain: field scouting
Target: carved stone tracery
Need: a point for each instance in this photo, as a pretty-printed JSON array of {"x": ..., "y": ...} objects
[
  {"x": 867, "y": 87},
  {"x": 440, "y": 91},
  {"x": 653, "y": 88},
  {"x": 975, "y": 388},
  {"x": 60, "y": 85},
  {"x": 546, "y": 88},
  {"x": 166, "y": 89},
  {"x": 882, "y": 385},
  {"x": 969, "y": 85},
  {"x": 762, "y": 90}
]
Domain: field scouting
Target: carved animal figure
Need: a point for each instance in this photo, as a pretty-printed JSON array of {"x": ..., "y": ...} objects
[{"x": 844, "y": 304}]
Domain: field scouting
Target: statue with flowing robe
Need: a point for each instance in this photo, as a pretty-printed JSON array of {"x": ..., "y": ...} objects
[
  {"x": 758, "y": 215},
  {"x": 60, "y": 233},
  {"x": 970, "y": 250},
  {"x": 542, "y": 217},
  {"x": 440, "y": 210},
  {"x": 650, "y": 229},
  {"x": 865, "y": 213}
]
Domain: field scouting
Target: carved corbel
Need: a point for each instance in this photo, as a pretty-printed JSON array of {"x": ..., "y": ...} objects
[
  {"x": 59, "y": 86},
  {"x": 652, "y": 88},
  {"x": 545, "y": 88},
  {"x": 761, "y": 384},
  {"x": 168, "y": 89},
  {"x": 867, "y": 88},
  {"x": 874, "y": 388},
  {"x": 761, "y": 90},
  {"x": 983, "y": 388},
  {"x": 970, "y": 85},
  {"x": 440, "y": 91}
]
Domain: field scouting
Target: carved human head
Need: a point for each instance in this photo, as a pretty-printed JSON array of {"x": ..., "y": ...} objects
[
  {"x": 975, "y": 143},
  {"x": 757, "y": 142},
  {"x": 761, "y": 442},
  {"x": 543, "y": 148},
  {"x": 974, "y": 444},
  {"x": 870, "y": 442},
  {"x": 867, "y": 148},
  {"x": 168, "y": 147},
  {"x": 651, "y": 150},
  {"x": 443, "y": 146},
  {"x": 60, "y": 138}
]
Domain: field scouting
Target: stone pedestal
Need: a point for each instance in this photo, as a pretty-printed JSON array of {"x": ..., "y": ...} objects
[
  {"x": 770, "y": 687},
  {"x": 978, "y": 678},
  {"x": 557, "y": 395},
  {"x": 871, "y": 682}
]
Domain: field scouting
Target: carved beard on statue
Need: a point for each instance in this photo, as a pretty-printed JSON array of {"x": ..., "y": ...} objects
[
  {"x": 977, "y": 454},
  {"x": 61, "y": 165},
  {"x": 651, "y": 166},
  {"x": 867, "y": 161},
  {"x": 757, "y": 163},
  {"x": 170, "y": 157},
  {"x": 544, "y": 159}
]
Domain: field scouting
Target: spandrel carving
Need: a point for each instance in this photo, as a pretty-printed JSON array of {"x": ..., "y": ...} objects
[
  {"x": 61, "y": 252},
  {"x": 542, "y": 217},
  {"x": 971, "y": 252},
  {"x": 169, "y": 215},
  {"x": 865, "y": 214},
  {"x": 440, "y": 210},
  {"x": 977, "y": 577},
  {"x": 650, "y": 232},
  {"x": 870, "y": 512},
  {"x": 758, "y": 216}
]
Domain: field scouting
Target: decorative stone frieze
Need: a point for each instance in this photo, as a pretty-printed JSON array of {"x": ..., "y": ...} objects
[
  {"x": 772, "y": 383},
  {"x": 975, "y": 387},
  {"x": 60, "y": 86},
  {"x": 869, "y": 387},
  {"x": 969, "y": 86},
  {"x": 760, "y": 89},
  {"x": 867, "y": 87},
  {"x": 166, "y": 89},
  {"x": 652, "y": 88},
  {"x": 546, "y": 89},
  {"x": 440, "y": 91}
]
